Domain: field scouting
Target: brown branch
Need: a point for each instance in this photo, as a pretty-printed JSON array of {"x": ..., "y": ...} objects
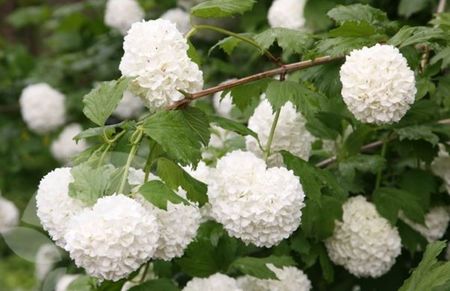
[
  {"x": 441, "y": 6},
  {"x": 284, "y": 69},
  {"x": 9, "y": 108}
]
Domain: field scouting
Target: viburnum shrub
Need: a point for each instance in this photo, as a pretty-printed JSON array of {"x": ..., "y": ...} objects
[{"x": 326, "y": 170}]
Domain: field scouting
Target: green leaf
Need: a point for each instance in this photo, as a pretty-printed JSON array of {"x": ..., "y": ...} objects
[
  {"x": 156, "y": 285},
  {"x": 245, "y": 95},
  {"x": 413, "y": 35},
  {"x": 90, "y": 183},
  {"x": 326, "y": 265},
  {"x": 430, "y": 273},
  {"x": 32, "y": 15},
  {"x": 232, "y": 125},
  {"x": 353, "y": 29},
  {"x": 390, "y": 201},
  {"x": 362, "y": 163},
  {"x": 158, "y": 193},
  {"x": 181, "y": 133},
  {"x": 108, "y": 130},
  {"x": 340, "y": 46},
  {"x": 356, "y": 139},
  {"x": 82, "y": 283},
  {"x": 409, "y": 7},
  {"x": 444, "y": 56},
  {"x": 316, "y": 14},
  {"x": 278, "y": 93},
  {"x": 221, "y": 8},
  {"x": 418, "y": 132},
  {"x": 257, "y": 267},
  {"x": 228, "y": 44},
  {"x": 290, "y": 40},
  {"x": 100, "y": 103},
  {"x": 357, "y": 12},
  {"x": 174, "y": 176},
  {"x": 411, "y": 239},
  {"x": 193, "y": 54}
]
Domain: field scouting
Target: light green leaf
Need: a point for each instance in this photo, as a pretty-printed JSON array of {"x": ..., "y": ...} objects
[
  {"x": 100, "y": 103},
  {"x": 221, "y": 8},
  {"x": 357, "y": 12},
  {"x": 257, "y": 267},
  {"x": 98, "y": 131},
  {"x": 245, "y": 95},
  {"x": 418, "y": 132},
  {"x": 174, "y": 176},
  {"x": 90, "y": 183},
  {"x": 228, "y": 44},
  {"x": 409, "y": 7},
  {"x": 354, "y": 29},
  {"x": 413, "y": 35},
  {"x": 290, "y": 40},
  {"x": 444, "y": 56},
  {"x": 430, "y": 273},
  {"x": 232, "y": 125},
  {"x": 181, "y": 133},
  {"x": 158, "y": 193},
  {"x": 362, "y": 163},
  {"x": 340, "y": 46}
]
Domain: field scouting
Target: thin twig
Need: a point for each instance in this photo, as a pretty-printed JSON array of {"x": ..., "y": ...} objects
[{"x": 288, "y": 68}]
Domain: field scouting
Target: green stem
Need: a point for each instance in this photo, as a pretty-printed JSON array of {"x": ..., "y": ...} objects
[
  {"x": 380, "y": 171},
  {"x": 135, "y": 141},
  {"x": 191, "y": 32},
  {"x": 145, "y": 273},
  {"x": 271, "y": 135},
  {"x": 248, "y": 40},
  {"x": 102, "y": 157}
]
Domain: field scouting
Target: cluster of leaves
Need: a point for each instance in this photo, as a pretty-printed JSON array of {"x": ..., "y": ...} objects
[{"x": 396, "y": 179}]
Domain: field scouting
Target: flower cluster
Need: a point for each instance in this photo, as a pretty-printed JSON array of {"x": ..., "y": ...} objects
[
  {"x": 258, "y": 206},
  {"x": 9, "y": 215},
  {"x": 43, "y": 108},
  {"x": 377, "y": 84},
  {"x": 290, "y": 133},
  {"x": 179, "y": 17},
  {"x": 436, "y": 223},
  {"x": 363, "y": 242},
  {"x": 121, "y": 14},
  {"x": 289, "y": 279},
  {"x": 216, "y": 282},
  {"x": 64, "y": 148},
  {"x": 54, "y": 205},
  {"x": 156, "y": 58},
  {"x": 287, "y": 14},
  {"x": 112, "y": 239},
  {"x": 130, "y": 106}
]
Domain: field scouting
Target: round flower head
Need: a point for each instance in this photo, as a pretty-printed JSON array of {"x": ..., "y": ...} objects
[
  {"x": 290, "y": 133},
  {"x": 9, "y": 215},
  {"x": 121, "y": 14},
  {"x": 441, "y": 167},
  {"x": 64, "y": 148},
  {"x": 179, "y": 17},
  {"x": 156, "y": 58},
  {"x": 364, "y": 243},
  {"x": 377, "y": 84},
  {"x": 130, "y": 106},
  {"x": 65, "y": 281},
  {"x": 178, "y": 226},
  {"x": 42, "y": 107},
  {"x": 436, "y": 223},
  {"x": 47, "y": 256},
  {"x": 223, "y": 105},
  {"x": 287, "y": 14},
  {"x": 289, "y": 279},
  {"x": 113, "y": 239},
  {"x": 54, "y": 205},
  {"x": 256, "y": 205},
  {"x": 216, "y": 282}
]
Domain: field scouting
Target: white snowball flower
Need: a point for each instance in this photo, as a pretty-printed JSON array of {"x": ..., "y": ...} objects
[
  {"x": 201, "y": 173},
  {"x": 377, "y": 84},
  {"x": 216, "y": 282},
  {"x": 43, "y": 108},
  {"x": 287, "y": 14},
  {"x": 54, "y": 205},
  {"x": 113, "y": 239},
  {"x": 47, "y": 256},
  {"x": 178, "y": 226},
  {"x": 180, "y": 18},
  {"x": 64, "y": 148},
  {"x": 441, "y": 167},
  {"x": 289, "y": 279},
  {"x": 9, "y": 215},
  {"x": 364, "y": 243},
  {"x": 65, "y": 281},
  {"x": 256, "y": 205},
  {"x": 290, "y": 133},
  {"x": 436, "y": 223},
  {"x": 156, "y": 57},
  {"x": 121, "y": 14},
  {"x": 130, "y": 106},
  {"x": 223, "y": 106},
  {"x": 218, "y": 143}
]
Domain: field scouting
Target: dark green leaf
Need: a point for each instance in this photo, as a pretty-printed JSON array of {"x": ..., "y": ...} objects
[
  {"x": 340, "y": 46},
  {"x": 444, "y": 56},
  {"x": 232, "y": 125},
  {"x": 411, "y": 239},
  {"x": 290, "y": 40},
  {"x": 257, "y": 267},
  {"x": 181, "y": 133},
  {"x": 174, "y": 176},
  {"x": 362, "y": 163},
  {"x": 354, "y": 29},
  {"x": 100, "y": 103},
  {"x": 430, "y": 273},
  {"x": 409, "y": 7},
  {"x": 357, "y": 12},
  {"x": 228, "y": 44},
  {"x": 414, "y": 35},
  {"x": 221, "y": 8},
  {"x": 157, "y": 193},
  {"x": 418, "y": 132},
  {"x": 245, "y": 95},
  {"x": 156, "y": 285}
]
